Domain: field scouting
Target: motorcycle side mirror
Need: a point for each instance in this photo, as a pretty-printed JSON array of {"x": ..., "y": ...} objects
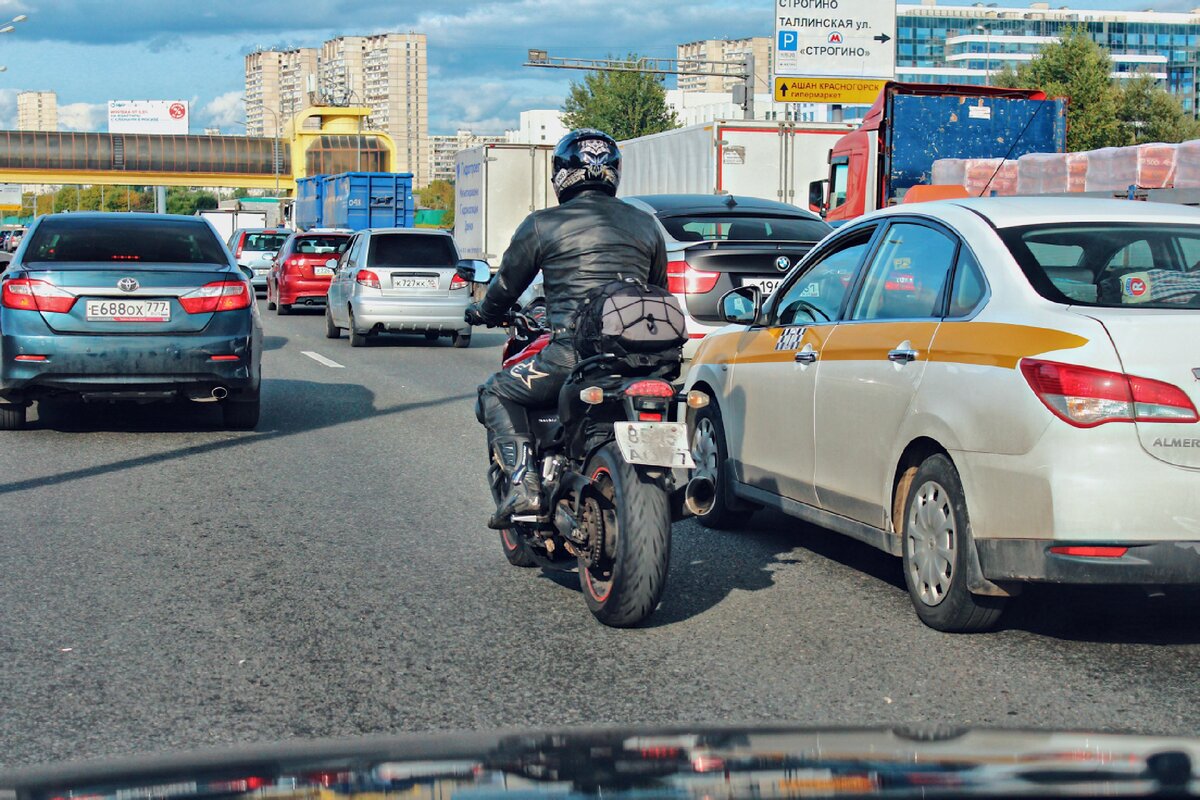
[
  {"x": 742, "y": 306},
  {"x": 473, "y": 270}
]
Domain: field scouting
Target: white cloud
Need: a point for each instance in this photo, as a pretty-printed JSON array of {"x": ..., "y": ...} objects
[
  {"x": 226, "y": 110},
  {"x": 8, "y": 108},
  {"x": 83, "y": 116}
]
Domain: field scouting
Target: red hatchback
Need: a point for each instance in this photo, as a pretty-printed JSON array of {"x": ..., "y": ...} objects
[{"x": 301, "y": 271}]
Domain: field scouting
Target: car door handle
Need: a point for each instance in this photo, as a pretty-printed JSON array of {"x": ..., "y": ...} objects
[
  {"x": 903, "y": 356},
  {"x": 806, "y": 357}
]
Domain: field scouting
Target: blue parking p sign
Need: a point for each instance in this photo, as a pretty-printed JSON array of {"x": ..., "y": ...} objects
[{"x": 788, "y": 40}]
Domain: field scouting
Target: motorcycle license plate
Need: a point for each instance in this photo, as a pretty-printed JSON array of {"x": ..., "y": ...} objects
[{"x": 654, "y": 444}]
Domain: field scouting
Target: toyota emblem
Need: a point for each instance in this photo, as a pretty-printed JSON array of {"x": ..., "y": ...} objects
[
  {"x": 128, "y": 284},
  {"x": 783, "y": 264}
]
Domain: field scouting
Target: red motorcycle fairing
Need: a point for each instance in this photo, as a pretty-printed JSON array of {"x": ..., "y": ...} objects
[{"x": 531, "y": 350}]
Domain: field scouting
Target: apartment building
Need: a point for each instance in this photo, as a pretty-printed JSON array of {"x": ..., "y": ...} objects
[
  {"x": 444, "y": 150},
  {"x": 279, "y": 83},
  {"x": 727, "y": 50},
  {"x": 387, "y": 73},
  {"x": 37, "y": 111}
]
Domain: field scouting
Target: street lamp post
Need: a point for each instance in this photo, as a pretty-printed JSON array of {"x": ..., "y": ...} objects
[
  {"x": 11, "y": 26},
  {"x": 274, "y": 145},
  {"x": 987, "y": 58}
]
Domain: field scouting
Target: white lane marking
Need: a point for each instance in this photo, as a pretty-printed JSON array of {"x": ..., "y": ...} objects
[{"x": 320, "y": 359}]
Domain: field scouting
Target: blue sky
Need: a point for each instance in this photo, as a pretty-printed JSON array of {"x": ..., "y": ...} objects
[{"x": 91, "y": 51}]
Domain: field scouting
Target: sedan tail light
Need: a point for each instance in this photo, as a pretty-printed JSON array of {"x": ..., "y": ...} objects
[
  {"x": 292, "y": 265},
  {"x": 30, "y": 294},
  {"x": 1087, "y": 397},
  {"x": 682, "y": 278},
  {"x": 457, "y": 282},
  {"x": 367, "y": 278},
  {"x": 216, "y": 296}
]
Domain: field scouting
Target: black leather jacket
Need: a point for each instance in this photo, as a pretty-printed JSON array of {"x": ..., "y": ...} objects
[{"x": 588, "y": 241}]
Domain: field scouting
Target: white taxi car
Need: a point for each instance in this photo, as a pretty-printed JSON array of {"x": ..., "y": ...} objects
[{"x": 997, "y": 390}]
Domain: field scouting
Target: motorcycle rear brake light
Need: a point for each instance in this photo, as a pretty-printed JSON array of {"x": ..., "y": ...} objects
[
  {"x": 593, "y": 395},
  {"x": 31, "y": 294},
  {"x": 650, "y": 416},
  {"x": 649, "y": 388},
  {"x": 216, "y": 296},
  {"x": 1090, "y": 551},
  {"x": 367, "y": 278}
]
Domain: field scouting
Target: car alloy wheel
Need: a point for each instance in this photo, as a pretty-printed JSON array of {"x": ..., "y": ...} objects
[{"x": 931, "y": 542}]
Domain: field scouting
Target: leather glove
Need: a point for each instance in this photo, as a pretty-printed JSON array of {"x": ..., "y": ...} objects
[{"x": 472, "y": 316}]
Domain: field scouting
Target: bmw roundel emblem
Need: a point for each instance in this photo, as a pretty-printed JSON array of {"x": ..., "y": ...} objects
[
  {"x": 128, "y": 284},
  {"x": 783, "y": 264}
]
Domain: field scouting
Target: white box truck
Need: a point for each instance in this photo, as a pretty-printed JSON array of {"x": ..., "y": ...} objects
[
  {"x": 752, "y": 158},
  {"x": 227, "y": 220},
  {"x": 496, "y": 187}
]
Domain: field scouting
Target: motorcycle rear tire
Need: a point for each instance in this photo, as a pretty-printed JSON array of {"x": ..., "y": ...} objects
[{"x": 628, "y": 586}]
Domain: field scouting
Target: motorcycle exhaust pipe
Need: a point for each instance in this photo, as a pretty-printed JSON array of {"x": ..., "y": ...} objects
[
  {"x": 220, "y": 393},
  {"x": 700, "y": 496}
]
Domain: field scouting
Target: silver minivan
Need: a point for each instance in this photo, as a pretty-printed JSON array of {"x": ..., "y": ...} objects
[{"x": 398, "y": 280}]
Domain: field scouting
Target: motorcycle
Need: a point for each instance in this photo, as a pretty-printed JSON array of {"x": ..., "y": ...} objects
[{"x": 607, "y": 456}]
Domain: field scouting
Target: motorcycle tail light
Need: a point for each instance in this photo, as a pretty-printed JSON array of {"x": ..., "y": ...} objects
[{"x": 649, "y": 388}]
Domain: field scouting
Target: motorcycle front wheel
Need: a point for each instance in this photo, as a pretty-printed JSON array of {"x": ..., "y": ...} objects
[{"x": 628, "y": 520}]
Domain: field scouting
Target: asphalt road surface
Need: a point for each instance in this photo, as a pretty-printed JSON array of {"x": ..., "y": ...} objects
[{"x": 165, "y": 584}]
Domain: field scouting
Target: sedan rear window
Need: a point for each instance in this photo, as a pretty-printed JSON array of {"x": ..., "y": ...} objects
[
  {"x": 1111, "y": 265},
  {"x": 264, "y": 242},
  {"x": 125, "y": 239},
  {"x": 321, "y": 245},
  {"x": 412, "y": 250},
  {"x": 744, "y": 228}
]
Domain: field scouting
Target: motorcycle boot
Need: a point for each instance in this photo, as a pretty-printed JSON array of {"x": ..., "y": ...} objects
[{"x": 524, "y": 493}]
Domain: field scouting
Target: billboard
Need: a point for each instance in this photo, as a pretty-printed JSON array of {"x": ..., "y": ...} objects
[
  {"x": 10, "y": 197},
  {"x": 148, "y": 116}
]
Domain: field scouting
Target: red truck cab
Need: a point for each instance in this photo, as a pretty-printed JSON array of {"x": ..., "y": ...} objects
[{"x": 912, "y": 124}]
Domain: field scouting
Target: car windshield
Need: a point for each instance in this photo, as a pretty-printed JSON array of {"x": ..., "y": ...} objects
[
  {"x": 415, "y": 250},
  {"x": 321, "y": 245},
  {"x": 1111, "y": 265},
  {"x": 265, "y": 242},
  {"x": 744, "y": 228},
  {"x": 124, "y": 240}
]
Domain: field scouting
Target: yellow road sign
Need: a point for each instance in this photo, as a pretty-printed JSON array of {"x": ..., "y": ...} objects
[{"x": 846, "y": 91}]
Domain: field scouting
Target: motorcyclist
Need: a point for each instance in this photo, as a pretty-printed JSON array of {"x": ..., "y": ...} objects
[{"x": 588, "y": 240}]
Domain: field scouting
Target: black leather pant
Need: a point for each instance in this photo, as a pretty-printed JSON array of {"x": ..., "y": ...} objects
[{"x": 504, "y": 397}]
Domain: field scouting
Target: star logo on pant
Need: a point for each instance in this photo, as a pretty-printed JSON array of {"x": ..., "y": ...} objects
[{"x": 530, "y": 375}]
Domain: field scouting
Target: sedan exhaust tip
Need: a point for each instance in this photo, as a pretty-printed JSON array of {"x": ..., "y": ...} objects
[
  {"x": 220, "y": 393},
  {"x": 700, "y": 496}
]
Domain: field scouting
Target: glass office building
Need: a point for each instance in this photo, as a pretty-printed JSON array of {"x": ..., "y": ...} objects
[{"x": 938, "y": 43}]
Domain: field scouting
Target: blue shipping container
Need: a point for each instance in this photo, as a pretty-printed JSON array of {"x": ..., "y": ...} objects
[
  {"x": 310, "y": 195},
  {"x": 924, "y": 128},
  {"x": 358, "y": 200}
]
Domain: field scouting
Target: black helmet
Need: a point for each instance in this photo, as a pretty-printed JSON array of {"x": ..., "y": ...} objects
[{"x": 586, "y": 159}]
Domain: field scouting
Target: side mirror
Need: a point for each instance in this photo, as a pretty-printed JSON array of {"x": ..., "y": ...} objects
[
  {"x": 742, "y": 306},
  {"x": 816, "y": 196},
  {"x": 332, "y": 264},
  {"x": 473, "y": 271}
]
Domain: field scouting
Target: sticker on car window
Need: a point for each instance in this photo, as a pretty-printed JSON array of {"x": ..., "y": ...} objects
[
  {"x": 1135, "y": 288},
  {"x": 812, "y": 290},
  {"x": 790, "y": 339}
]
